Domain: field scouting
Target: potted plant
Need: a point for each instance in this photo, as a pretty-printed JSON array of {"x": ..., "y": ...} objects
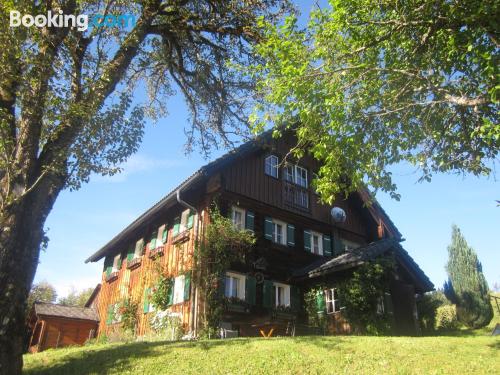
[
  {"x": 283, "y": 312},
  {"x": 234, "y": 304}
]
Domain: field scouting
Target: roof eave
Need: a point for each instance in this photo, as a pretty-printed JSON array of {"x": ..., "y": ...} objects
[{"x": 102, "y": 252}]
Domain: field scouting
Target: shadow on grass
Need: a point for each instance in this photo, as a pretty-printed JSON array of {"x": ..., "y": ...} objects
[{"x": 101, "y": 359}]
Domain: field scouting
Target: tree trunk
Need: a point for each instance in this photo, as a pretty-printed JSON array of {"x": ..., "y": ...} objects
[{"x": 21, "y": 235}]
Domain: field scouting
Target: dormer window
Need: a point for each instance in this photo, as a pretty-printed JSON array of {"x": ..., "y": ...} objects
[{"x": 271, "y": 166}]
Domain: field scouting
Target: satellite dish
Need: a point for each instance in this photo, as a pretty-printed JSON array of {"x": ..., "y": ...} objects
[{"x": 338, "y": 215}]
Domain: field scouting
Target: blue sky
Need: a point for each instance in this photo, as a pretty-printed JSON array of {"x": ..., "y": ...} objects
[{"x": 84, "y": 220}]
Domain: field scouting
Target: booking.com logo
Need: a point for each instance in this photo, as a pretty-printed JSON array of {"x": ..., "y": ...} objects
[{"x": 81, "y": 22}]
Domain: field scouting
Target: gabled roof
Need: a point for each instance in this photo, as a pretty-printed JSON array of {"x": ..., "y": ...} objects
[
  {"x": 201, "y": 174},
  {"x": 363, "y": 254},
  {"x": 71, "y": 312}
]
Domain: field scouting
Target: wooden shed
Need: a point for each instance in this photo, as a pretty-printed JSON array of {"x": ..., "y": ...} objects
[{"x": 55, "y": 326}]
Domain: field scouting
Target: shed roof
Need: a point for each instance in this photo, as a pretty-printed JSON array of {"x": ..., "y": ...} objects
[
  {"x": 72, "y": 312},
  {"x": 363, "y": 254}
]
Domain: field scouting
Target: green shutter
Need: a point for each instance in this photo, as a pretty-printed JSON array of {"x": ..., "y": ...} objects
[
  {"x": 268, "y": 294},
  {"x": 294, "y": 298},
  {"x": 164, "y": 236},
  {"x": 177, "y": 226},
  {"x": 110, "y": 314},
  {"x": 170, "y": 293},
  {"x": 268, "y": 228},
  {"x": 190, "y": 219},
  {"x": 320, "y": 302},
  {"x": 108, "y": 265},
  {"x": 152, "y": 243},
  {"x": 307, "y": 240},
  {"x": 290, "y": 235},
  {"x": 250, "y": 286},
  {"x": 327, "y": 246},
  {"x": 130, "y": 253},
  {"x": 147, "y": 293},
  {"x": 249, "y": 220},
  {"x": 187, "y": 286},
  {"x": 222, "y": 285},
  {"x": 338, "y": 245}
]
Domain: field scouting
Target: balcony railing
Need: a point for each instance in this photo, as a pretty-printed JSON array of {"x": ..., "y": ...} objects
[{"x": 295, "y": 196}]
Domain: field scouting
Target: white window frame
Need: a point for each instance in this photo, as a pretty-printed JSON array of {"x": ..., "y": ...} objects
[
  {"x": 159, "y": 236},
  {"x": 233, "y": 217},
  {"x": 184, "y": 220},
  {"x": 116, "y": 259},
  {"x": 320, "y": 242},
  {"x": 179, "y": 283},
  {"x": 286, "y": 292},
  {"x": 331, "y": 299},
  {"x": 138, "y": 248},
  {"x": 273, "y": 162},
  {"x": 286, "y": 174},
  {"x": 240, "y": 292},
  {"x": 284, "y": 232},
  {"x": 297, "y": 174}
]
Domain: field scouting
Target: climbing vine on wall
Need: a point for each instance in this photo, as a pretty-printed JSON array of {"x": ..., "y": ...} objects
[
  {"x": 221, "y": 244},
  {"x": 359, "y": 296}
]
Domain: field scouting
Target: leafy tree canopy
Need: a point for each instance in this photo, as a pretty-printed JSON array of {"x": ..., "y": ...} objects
[
  {"x": 41, "y": 292},
  {"x": 372, "y": 83},
  {"x": 76, "y": 298}
]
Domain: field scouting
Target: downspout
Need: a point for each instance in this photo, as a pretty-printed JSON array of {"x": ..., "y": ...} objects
[{"x": 194, "y": 290}]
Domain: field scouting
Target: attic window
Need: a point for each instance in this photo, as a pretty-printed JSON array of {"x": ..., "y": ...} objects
[{"x": 271, "y": 166}]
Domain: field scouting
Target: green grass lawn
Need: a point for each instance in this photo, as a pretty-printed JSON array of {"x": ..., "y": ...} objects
[{"x": 301, "y": 355}]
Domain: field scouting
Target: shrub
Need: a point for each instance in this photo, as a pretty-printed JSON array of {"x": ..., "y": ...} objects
[
  {"x": 446, "y": 317},
  {"x": 427, "y": 306},
  {"x": 167, "y": 325}
]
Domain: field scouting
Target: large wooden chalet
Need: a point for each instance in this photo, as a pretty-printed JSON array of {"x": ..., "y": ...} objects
[{"x": 298, "y": 243}]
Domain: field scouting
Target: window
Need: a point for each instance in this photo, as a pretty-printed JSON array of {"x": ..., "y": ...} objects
[
  {"x": 113, "y": 315},
  {"x": 161, "y": 239},
  {"x": 179, "y": 289},
  {"x": 139, "y": 248},
  {"x": 271, "y": 166},
  {"x": 279, "y": 233},
  {"x": 316, "y": 243},
  {"x": 117, "y": 262},
  {"x": 332, "y": 302},
  {"x": 183, "y": 222},
  {"x": 295, "y": 174},
  {"x": 281, "y": 294},
  {"x": 301, "y": 176},
  {"x": 238, "y": 218},
  {"x": 289, "y": 173},
  {"x": 234, "y": 286}
]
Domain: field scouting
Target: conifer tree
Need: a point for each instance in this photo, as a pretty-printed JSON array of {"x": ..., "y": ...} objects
[{"x": 466, "y": 286}]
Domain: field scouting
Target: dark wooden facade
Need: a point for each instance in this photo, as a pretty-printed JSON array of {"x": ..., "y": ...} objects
[{"x": 239, "y": 180}]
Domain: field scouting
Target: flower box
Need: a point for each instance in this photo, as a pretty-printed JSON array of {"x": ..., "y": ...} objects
[
  {"x": 181, "y": 237},
  {"x": 158, "y": 252},
  {"x": 133, "y": 263},
  {"x": 112, "y": 276},
  {"x": 232, "y": 307}
]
